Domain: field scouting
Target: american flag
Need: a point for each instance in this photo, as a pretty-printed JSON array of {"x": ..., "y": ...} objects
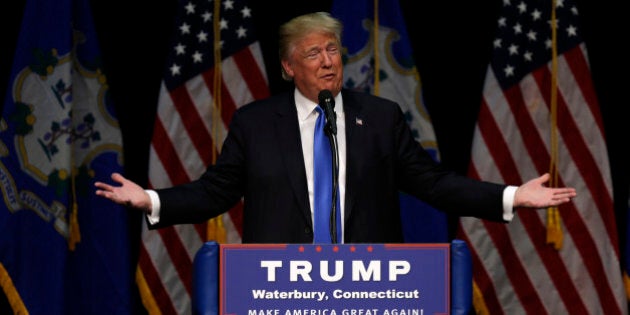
[
  {"x": 215, "y": 65},
  {"x": 540, "y": 114}
]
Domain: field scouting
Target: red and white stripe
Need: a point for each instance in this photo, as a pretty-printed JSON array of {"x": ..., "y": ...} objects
[
  {"x": 515, "y": 271},
  {"x": 181, "y": 150}
]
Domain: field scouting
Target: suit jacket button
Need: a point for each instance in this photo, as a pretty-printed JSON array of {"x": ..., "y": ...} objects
[{"x": 308, "y": 231}]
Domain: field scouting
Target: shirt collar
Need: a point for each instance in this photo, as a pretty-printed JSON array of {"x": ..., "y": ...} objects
[{"x": 305, "y": 107}]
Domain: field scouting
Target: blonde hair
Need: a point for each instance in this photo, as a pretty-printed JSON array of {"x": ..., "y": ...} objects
[{"x": 295, "y": 29}]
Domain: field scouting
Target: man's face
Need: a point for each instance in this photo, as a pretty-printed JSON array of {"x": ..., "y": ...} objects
[{"x": 315, "y": 65}]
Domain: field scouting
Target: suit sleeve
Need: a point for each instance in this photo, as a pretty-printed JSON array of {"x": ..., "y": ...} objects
[
  {"x": 419, "y": 175},
  {"x": 215, "y": 192}
]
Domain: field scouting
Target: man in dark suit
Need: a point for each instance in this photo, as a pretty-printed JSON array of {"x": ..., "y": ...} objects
[{"x": 267, "y": 159}]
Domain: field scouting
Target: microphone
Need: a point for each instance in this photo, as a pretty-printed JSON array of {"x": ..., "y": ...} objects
[{"x": 327, "y": 102}]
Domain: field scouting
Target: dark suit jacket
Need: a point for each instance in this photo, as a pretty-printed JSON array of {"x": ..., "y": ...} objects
[{"x": 262, "y": 161}]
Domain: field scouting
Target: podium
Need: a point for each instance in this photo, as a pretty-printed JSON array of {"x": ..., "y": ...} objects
[{"x": 448, "y": 262}]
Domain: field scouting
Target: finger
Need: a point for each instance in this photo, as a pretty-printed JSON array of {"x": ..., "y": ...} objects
[
  {"x": 103, "y": 186},
  {"x": 567, "y": 193},
  {"x": 105, "y": 194},
  {"x": 543, "y": 178},
  {"x": 100, "y": 184},
  {"x": 117, "y": 177}
]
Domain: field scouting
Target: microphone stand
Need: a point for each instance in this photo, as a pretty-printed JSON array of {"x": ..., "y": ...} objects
[
  {"x": 332, "y": 138},
  {"x": 327, "y": 102}
]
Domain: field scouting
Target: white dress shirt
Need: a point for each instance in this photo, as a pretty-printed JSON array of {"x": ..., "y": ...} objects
[{"x": 307, "y": 116}]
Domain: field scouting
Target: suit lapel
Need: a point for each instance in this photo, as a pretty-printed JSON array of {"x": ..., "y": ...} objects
[
  {"x": 290, "y": 144},
  {"x": 288, "y": 134},
  {"x": 355, "y": 125}
]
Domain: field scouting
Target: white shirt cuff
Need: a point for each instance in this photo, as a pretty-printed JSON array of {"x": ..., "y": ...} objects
[
  {"x": 154, "y": 216},
  {"x": 508, "y": 202}
]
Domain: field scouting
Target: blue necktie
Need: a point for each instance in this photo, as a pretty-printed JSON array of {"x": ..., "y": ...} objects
[{"x": 323, "y": 184}]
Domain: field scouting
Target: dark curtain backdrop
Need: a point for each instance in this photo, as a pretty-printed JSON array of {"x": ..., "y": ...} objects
[{"x": 451, "y": 42}]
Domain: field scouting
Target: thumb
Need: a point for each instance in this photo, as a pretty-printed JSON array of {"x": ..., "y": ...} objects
[
  {"x": 543, "y": 178},
  {"x": 117, "y": 177}
]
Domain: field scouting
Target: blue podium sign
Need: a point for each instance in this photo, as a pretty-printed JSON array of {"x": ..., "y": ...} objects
[{"x": 353, "y": 279}]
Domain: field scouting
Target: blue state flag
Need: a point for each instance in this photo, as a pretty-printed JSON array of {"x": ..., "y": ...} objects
[
  {"x": 63, "y": 250},
  {"x": 378, "y": 59}
]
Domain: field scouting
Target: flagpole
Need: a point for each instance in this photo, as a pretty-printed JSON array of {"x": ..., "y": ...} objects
[
  {"x": 554, "y": 227},
  {"x": 215, "y": 229},
  {"x": 377, "y": 66}
]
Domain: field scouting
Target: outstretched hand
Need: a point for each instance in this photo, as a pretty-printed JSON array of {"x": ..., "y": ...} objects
[
  {"x": 128, "y": 193},
  {"x": 533, "y": 194}
]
